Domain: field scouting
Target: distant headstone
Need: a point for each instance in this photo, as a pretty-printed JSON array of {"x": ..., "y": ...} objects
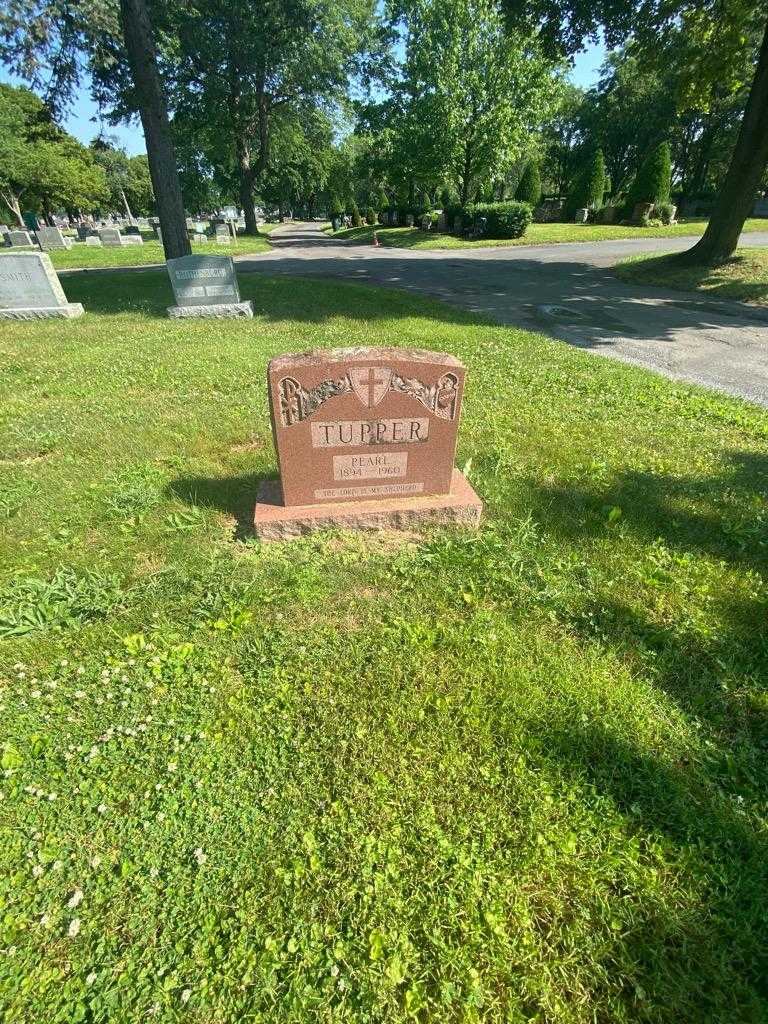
[
  {"x": 199, "y": 237},
  {"x": 641, "y": 212},
  {"x": 409, "y": 220},
  {"x": 20, "y": 238},
  {"x": 82, "y": 232},
  {"x": 206, "y": 286},
  {"x": 442, "y": 221},
  {"x": 111, "y": 237},
  {"x": 223, "y": 235},
  {"x": 30, "y": 289},
  {"x": 393, "y": 218},
  {"x": 132, "y": 229},
  {"x": 426, "y": 222},
  {"x": 581, "y": 216},
  {"x": 365, "y": 438},
  {"x": 608, "y": 215},
  {"x": 93, "y": 240},
  {"x": 458, "y": 224},
  {"x": 52, "y": 238}
]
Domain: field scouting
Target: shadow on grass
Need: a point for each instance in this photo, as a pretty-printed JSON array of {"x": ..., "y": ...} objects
[
  {"x": 234, "y": 495},
  {"x": 686, "y": 512},
  {"x": 137, "y": 290},
  {"x": 148, "y": 292},
  {"x": 708, "y": 807},
  {"x": 732, "y": 280}
]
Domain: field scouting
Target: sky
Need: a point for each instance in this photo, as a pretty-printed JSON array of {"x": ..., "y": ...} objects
[{"x": 83, "y": 121}]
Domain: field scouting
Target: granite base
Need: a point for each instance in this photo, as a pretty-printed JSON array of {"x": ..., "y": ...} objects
[
  {"x": 67, "y": 312},
  {"x": 221, "y": 309},
  {"x": 274, "y": 521}
]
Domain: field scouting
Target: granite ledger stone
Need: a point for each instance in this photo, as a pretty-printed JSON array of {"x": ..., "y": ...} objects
[
  {"x": 365, "y": 438},
  {"x": 30, "y": 289},
  {"x": 206, "y": 286}
]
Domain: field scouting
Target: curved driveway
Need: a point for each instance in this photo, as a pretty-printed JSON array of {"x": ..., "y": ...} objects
[{"x": 564, "y": 290}]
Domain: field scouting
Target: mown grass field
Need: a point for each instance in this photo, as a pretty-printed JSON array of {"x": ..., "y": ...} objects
[
  {"x": 504, "y": 777},
  {"x": 744, "y": 277},
  {"x": 84, "y": 256},
  {"x": 537, "y": 234}
]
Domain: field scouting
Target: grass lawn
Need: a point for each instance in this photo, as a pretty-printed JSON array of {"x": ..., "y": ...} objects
[
  {"x": 151, "y": 252},
  {"x": 505, "y": 777},
  {"x": 744, "y": 277},
  {"x": 537, "y": 234}
]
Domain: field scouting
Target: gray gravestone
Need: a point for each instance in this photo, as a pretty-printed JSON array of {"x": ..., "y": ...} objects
[
  {"x": 52, "y": 238},
  {"x": 17, "y": 238},
  {"x": 199, "y": 237},
  {"x": 223, "y": 235},
  {"x": 206, "y": 286},
  {"x": 93, "y": 240},
  {"x": 133, "y": 229},
  {"x": 30, "y": 289},
  {"x": 111, "y": 237},
  {"x": 581, "y": 215},
  {"x": 83, "y": 231}
]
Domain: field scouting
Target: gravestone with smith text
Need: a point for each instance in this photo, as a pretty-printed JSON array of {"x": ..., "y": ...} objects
[
  {"x": 30, "y": 289},
  {"x": 365, "y": 439},
  {"x": 206, "y": 286}
]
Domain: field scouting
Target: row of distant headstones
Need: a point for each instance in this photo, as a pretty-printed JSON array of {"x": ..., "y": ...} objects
[{"x": 49, "y": 238}]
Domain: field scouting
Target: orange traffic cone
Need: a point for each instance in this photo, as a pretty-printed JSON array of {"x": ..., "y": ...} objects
[{"x": 375, "y": 239}]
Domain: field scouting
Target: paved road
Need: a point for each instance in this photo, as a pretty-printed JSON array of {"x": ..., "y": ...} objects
[{"x": 565, "y": 291}]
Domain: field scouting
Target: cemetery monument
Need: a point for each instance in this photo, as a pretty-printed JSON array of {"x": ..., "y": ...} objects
[
  {"x": 52, "y": 238},
  {"x": 30, "y": 289},
  {"x": 206, "y": 286},
  {"x": 365, "y": 439}
]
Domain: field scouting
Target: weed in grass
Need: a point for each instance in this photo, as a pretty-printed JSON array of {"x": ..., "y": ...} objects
[{"x": 29, "y": 605}]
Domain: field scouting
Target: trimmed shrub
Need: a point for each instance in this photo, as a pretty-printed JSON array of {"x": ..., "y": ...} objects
[
  {"x": 529, "y": 186},
  {"x": 502, "y": 220},
  {"x": 588, "y": 186},
  {"x": 357, "y": 220},
  {"x": 653, "y": 181},
  {"x": 370, "y": 215},
  {"x": 454, "y": 210},
  {"x": 335, "y": 209}
]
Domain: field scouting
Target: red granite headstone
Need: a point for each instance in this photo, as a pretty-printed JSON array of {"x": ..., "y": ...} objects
[{"x": 366, "y": 426}]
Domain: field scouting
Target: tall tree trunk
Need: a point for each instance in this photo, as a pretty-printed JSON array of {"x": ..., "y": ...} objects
[
  {"x": 246, "y": 175},
  {"x": 13, "y": 202},
  {"x": 142, "y": 58},
  {"x": 747, "y": 167},
  {"x": 128, "y": 213}
]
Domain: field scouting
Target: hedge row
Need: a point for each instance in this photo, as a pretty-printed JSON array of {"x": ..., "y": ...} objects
[{"x": 491, "y": 220}]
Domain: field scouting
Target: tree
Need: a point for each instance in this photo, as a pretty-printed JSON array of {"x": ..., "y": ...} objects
[
  {"x": 653, "y": 181},
  {"x": 469, "y": 95},
  {"x": 529, "y": 187},
  {"x": 630, "y": 111},
  {"x": 40, "y": 164},
  {"x": 589, "y": 185},
  {"x": 242, "y": 65},
  {"x": 52, "y": 43},
  {"x": 724, "y": 30}
]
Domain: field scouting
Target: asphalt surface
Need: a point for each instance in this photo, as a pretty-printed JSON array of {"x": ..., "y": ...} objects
[{"x": 566, "y": 291}]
